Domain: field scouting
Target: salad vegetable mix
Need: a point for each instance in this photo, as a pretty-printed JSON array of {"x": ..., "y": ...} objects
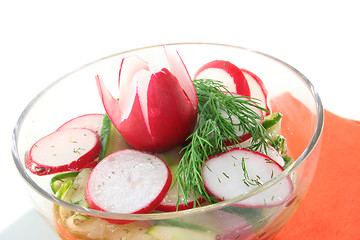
[{"x": 168, "y": 142}]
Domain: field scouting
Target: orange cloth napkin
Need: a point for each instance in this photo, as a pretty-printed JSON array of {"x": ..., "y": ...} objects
[{"x": 331, "y": 208}]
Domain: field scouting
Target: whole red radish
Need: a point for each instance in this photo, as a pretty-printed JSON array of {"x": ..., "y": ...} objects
[
  {"x": 64, "y": 150},
  {"x": 156, "y": 110},
  {"x": 226, "y": 72},
  {"x": 128, "y": 181}
]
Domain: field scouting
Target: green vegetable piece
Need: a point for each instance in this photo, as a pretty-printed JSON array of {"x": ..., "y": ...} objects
[
  {"x": 271, "y": 120},
  {"x": 178, "y": 233},
  {"x": 189, "y": 225},
  {"x": 111, "y": 139},
  {"x": 76, "y": 192},
  {"x": 287, "y": 161},
  {"x": 104, "y": 136},
  {"x": 61, "y": 193},
  {"x": 58, "y": 180}
]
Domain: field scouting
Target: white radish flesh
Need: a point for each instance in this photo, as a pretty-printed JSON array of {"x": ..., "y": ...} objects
[
  {"x": 89, "y": 121},
  {"x": 238, "y": 171},
  {"x": 64, "y": 150},
  {"x": 128, "y": 181},
  {"x": 270, "y": 151}
]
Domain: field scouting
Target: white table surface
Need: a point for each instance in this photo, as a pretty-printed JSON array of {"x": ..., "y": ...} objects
[{"x": 43, "y": 40}]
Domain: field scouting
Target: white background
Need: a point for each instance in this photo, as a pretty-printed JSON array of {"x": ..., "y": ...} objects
[{"x": 40, "y": 41}]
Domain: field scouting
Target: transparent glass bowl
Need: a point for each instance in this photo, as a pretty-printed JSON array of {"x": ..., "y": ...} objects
[{"x": 75, "y": 94}]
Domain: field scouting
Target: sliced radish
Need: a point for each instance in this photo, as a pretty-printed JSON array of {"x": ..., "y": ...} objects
[
  {"x": 89, "y": 121},
  {"x": 128, "y": 181},
  {"x": 64, "y": 150},
  {"x": 238, "y": 171},
  {"x": 257, "y": 88},
  {"x": 270, "y": 151},
  {"x": 155, "y": 104},
  {"x": 243, "y": 136},
  {"x": 227, "y": 73}
]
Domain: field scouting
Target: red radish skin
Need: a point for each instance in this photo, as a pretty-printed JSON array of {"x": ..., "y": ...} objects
[
  {"x": 225, "y": 178},
  {"x": 226, "y": 72},
  {"x": 152, "y": 104},
  {"x": 128, "y": 181},
  {"x": 171, "y": 116},
  {"x": 64, "y": 150},
  {"x": 89, "y": 121},
  {"x": 257, "y": 88}
]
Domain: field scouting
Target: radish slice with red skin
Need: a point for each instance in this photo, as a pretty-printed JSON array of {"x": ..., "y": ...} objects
[
  {"x": 89, "y": 121},
  {"x": 128, "y": 181},
  {"x": 64, "y": 150},
  {"x": 257, "y": 88},
  {"x": 226, "y": 72},
  {"x": 270, "y": 151},
  {"x": 225, "y": 178}
]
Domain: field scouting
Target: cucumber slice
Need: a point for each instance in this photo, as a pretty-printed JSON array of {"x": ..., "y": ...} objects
[
  {"x": 59, "y": 179},
  {"x": 272, "y": 124},
  {"x": 271, "y": 120},
  {"x": 76, "y": 192},
  {"x": 161, "y": 232},
  {"x": 64, "y": 189},
  {"x": 111, "y": 139},
  {"x": 104, "y": 135}
]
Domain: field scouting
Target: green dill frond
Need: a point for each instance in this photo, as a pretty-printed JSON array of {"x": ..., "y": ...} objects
[{"x": 220, "y": 115}]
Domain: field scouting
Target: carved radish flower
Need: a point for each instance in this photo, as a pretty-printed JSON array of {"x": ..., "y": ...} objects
[{"x": 156, "y": 110}]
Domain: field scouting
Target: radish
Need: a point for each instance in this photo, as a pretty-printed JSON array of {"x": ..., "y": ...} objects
[
  {"x": 243, "y": 136},
  {"x": 64, "y": 150},
  {"x": 257, "y": 88},
  {"x": 128, "y": 181},
  {"x": 240, "y": 170},
  {"x": 270, "y": 151},
  {"x": 89, "y": 121},
  {"x": 227, "y": 73},
  {"x": 158, "y": 105}
]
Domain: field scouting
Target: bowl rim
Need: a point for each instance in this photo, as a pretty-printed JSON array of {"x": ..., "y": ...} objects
[{"x": 166, "y": 215}]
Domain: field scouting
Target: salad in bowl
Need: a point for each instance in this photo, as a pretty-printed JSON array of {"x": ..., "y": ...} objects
[{"x": 176, "y": 141}]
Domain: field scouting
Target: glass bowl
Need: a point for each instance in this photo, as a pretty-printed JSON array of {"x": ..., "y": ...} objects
[{"x": 289, "y": 92}]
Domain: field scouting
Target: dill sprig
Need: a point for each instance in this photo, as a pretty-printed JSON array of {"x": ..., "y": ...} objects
[{"x": 220, "y": 115}]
